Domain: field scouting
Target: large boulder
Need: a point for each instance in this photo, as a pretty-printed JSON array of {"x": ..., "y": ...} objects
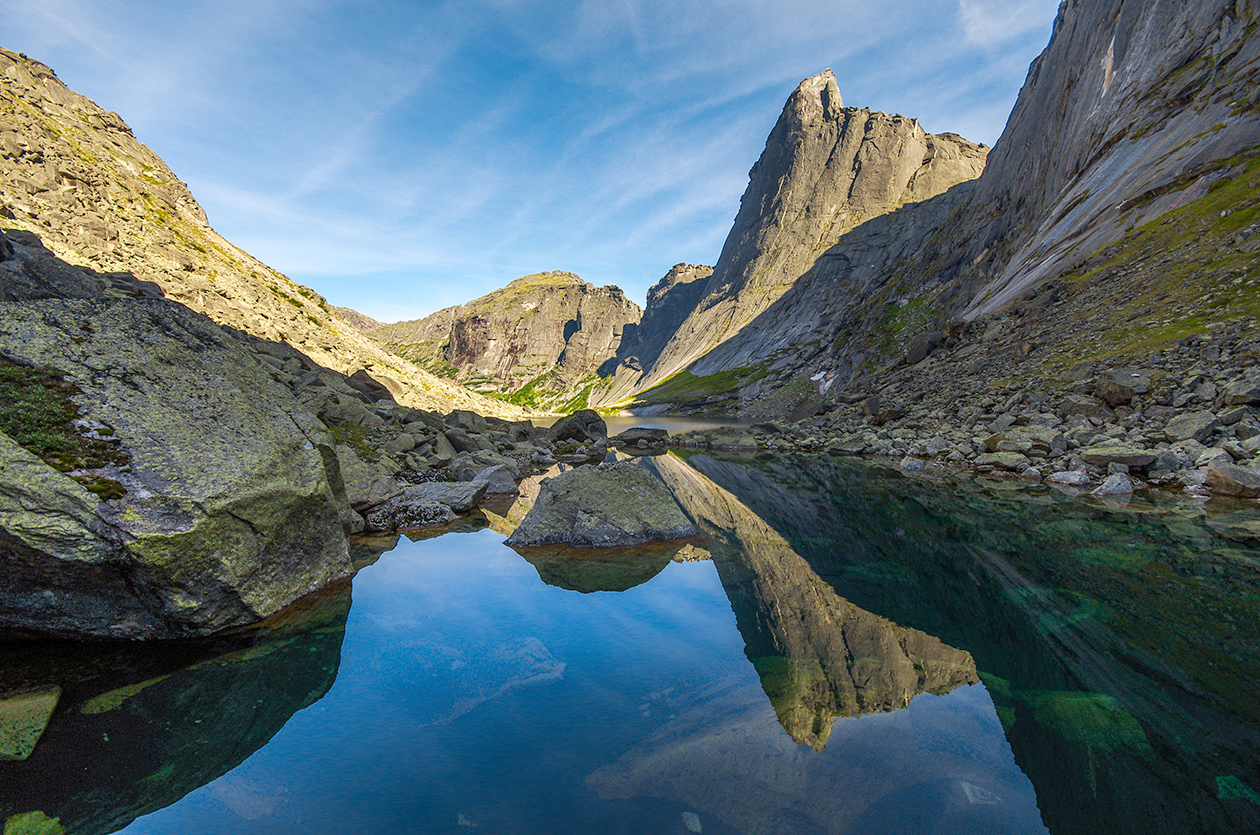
[
  {"x": 221, "y": 504},
  {"x": 580, "y": 427},
  {"x": 607, "y": 506},
  {"x": 422, "y": 505},
  {"x": 1231, "y": 480}
]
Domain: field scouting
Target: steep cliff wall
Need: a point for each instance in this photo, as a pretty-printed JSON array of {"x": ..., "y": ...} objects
[
  {"x": 1116, "y": 215},
  {"x": 75, "y": 175},
  {"x": 540, "y": 339},
  {"x": 669, "y": 302},
  {"x": 825, "y": 170}
]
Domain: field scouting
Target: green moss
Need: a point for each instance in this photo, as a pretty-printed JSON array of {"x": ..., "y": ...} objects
[
  {"x": 1191, "y": 273},
  {"x": 685, "y": 386},
  {"x": 357, "y": 438},
  {"x": 37, "y": 412}
]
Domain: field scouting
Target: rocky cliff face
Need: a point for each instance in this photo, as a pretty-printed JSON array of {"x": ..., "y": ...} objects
[
  {"x": 541, "y": 338},
  {"x": 75, "y": 175},
  {"x": 669, "y": 302},
  {"x": 1116, "y": 215},
  {"x": 825, "y": 170}
]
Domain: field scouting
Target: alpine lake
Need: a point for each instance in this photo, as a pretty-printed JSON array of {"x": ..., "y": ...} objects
[{"x": 843, "y": 649}]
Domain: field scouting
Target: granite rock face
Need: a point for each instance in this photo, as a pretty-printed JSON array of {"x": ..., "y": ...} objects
[
  {"x": 826, "y": 169},
  {"x": 76, "y": 176},
  {"x": 542, "y": 338},
  {"x": 1129, "y": 160},
  {"x": 669, "y": 302},
  {"x": 226, "y": 506}
]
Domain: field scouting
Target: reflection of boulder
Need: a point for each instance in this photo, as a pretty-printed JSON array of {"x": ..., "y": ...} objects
[
  {"x": 818, "y": 655},
  {"x": 605, "y": 569},
  {"x": 140, "y": 726}
]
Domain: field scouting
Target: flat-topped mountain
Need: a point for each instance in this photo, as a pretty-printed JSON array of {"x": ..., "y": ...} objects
[
  {"x": 540, "y": 340},
  {"x": 75, "y": 175}
]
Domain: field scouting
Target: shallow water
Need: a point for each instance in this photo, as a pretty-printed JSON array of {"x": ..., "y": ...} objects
[{"x": 843, "y": 650}]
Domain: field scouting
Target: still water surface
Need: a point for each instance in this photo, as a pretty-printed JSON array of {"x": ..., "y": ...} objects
[{"x": 843, "y": 650}]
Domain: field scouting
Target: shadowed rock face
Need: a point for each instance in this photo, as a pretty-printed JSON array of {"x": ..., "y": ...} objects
[
  {"x": 140, "y": 726},
  {"x": 669, "y": 303},
  {"x": 825, "y": 170},
  {"x": 225, "y": 511},
  {"x": 819, "y": 656},
  {"x": 550, "y": 331}
]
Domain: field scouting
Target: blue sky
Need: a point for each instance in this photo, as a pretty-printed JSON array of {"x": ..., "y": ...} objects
[{"x": 400, "y": 157}]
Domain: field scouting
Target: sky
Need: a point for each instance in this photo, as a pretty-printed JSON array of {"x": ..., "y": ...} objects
[{"x": 400, "y": 157}]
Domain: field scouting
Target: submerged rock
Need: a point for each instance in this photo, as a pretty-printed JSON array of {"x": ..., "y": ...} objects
[{"x": 602, "y": 507}]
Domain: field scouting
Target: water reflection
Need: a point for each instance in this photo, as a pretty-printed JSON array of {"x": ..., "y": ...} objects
[
  {"x": 818, "y": 655},
  {"x": 138, "y": 727},
  {"x": 1121, "y": 645},
  {"x": 810, "y": 666}
]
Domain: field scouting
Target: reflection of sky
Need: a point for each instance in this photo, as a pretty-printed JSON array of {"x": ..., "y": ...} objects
[{"x": 469, "y": 690}]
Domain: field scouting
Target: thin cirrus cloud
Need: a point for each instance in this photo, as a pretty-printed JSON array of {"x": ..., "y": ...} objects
[{"x": 402, "y": 156}]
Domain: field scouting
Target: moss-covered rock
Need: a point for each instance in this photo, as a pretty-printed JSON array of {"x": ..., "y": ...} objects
[
  {"x": 607, "y": 506},
  {"x": 233, "y": 498}
]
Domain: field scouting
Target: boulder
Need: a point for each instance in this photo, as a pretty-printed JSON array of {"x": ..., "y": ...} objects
[
  {"x": 1085, "y": 406},
  {"x": 1006, "y": 460},
  {"x": 602, "y": 507},
  {"x": 499, "y": 481},
  {"x": 422, "y": 505},
  {"x": 1197, "y": 426},
  {"x": 1112, "y": 451},
  {"x": 580, "y": 427},
  {"x": 1231, "y": 480},
  {"x": 1119, "y": 386},
  {"x": 406, "y": 512},
  {"x": 230, "y": 505},
  {"x": 642, "y": 437},
  {"x": 1070, "y": 478},
  {"x": 1115, "y": 485},
  {"x": 1244, "y": 392}
]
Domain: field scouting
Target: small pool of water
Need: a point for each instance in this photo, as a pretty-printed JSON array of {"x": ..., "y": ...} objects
[{"x": 842, "y": 650}]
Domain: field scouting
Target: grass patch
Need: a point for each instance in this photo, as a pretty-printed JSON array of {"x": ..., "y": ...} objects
[
  {"x": 1186, "y": 270},
  {"x": 685, "y": 386},
  {"x": 37, "y": 412}
]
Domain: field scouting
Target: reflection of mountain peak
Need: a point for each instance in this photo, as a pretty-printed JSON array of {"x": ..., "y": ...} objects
[{"x": 818, "y": 655}]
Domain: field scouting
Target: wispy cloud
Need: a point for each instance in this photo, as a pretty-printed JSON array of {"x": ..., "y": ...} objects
[
  {"x": 403, "y": 156},
  {"x": 992, "y": 22}
]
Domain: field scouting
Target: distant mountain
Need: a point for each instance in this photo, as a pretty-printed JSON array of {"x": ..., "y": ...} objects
[
  {"x": 354, "y": 317},
  {"x": 76, "y": 176},
  {"x": 538, "y": 342}
]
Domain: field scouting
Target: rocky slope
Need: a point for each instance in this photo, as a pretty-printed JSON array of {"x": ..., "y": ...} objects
[
  {"x": 163, "y": 476},
  {"x": 540, "y": 340},
  {"x": 1116, "y": 216},
  {"x": 826, "y": 170},
  {"x": 75, "y": 175}
]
